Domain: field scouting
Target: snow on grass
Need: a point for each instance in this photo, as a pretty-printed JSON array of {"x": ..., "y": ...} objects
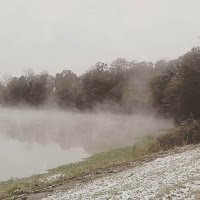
[
  {"x": 52, "y": 178},
  {"x": 171, "y": 177}
]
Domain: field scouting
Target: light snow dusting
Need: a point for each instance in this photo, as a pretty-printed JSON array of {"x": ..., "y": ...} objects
[{"x": 172, "y": 177}]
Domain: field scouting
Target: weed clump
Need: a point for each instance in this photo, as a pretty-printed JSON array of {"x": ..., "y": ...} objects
[{"x": 187, "y": 133}]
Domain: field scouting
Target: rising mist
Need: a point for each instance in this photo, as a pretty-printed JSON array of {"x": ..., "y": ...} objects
[{"x": 94, "y": 131}]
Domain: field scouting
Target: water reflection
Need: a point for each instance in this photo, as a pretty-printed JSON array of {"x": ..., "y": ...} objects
[
  {"x": 32, "y": 141},
  {"x": 21, "y": 159}
]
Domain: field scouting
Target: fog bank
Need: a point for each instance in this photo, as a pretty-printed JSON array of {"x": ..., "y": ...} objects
[{"x": 92, "y": 131}]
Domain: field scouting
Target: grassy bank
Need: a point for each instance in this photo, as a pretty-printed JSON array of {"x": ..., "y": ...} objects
[{"x": 186, "y": 134}]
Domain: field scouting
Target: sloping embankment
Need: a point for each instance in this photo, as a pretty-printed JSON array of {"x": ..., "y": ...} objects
[{"x": 175, "y": 176}]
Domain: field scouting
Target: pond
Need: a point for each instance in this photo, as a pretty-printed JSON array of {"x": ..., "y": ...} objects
[{"x": 33, "y": 141}]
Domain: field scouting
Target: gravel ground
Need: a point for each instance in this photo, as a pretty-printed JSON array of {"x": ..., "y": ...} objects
[{"x": 172, "y": 177}]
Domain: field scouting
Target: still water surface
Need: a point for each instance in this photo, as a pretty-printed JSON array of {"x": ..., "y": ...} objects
[
  {"x": 22, "y": 159},
  {"x": 33, "y": 141}
]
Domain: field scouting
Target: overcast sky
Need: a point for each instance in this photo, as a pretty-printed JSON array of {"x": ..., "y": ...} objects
[{"x": 74, "y": 34}]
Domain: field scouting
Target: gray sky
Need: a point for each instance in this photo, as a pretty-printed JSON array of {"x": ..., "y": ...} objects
[{"x": 74, "y": 34}]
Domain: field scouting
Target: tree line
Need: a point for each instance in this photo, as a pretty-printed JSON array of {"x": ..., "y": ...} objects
[
  {"x": 169, "y": 87},
  {"x": 122, "y": 83}
]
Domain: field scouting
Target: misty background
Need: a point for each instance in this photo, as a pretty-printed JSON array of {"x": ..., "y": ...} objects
[
  {"x": 58, "y": 106},
  {"x": 108, "y": 106},
  {"x": 54, "y": 35}
]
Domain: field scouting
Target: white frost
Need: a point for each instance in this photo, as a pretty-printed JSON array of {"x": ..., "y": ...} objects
[
  {"x": 171, "y": 177},
  {"x": 52, "y": 178}
]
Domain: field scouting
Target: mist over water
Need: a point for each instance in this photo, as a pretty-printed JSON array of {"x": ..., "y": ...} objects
[{"x": 32, "y": 141}]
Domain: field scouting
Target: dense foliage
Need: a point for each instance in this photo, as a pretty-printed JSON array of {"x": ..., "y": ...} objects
[
  {"x": 177, "y": 90},
  {"x": 172, "y": 88},
  {"x": 123, "y": 83}
]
